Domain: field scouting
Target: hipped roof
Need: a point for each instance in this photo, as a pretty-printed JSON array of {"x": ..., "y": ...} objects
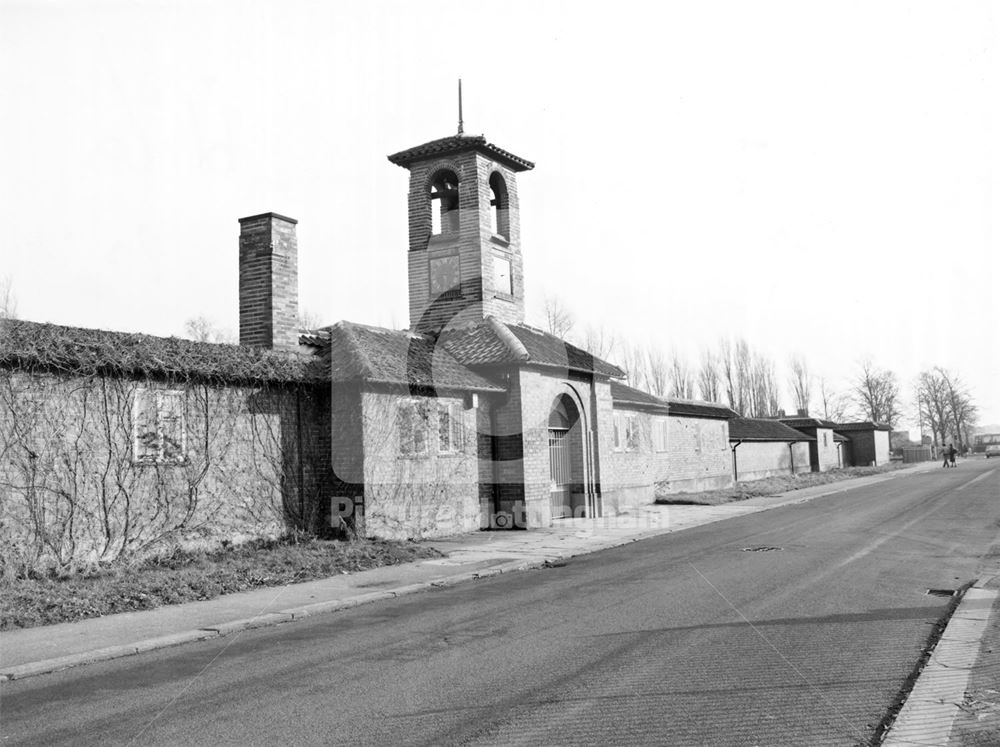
[
  {"x": 493, "y": 342},
  {"x": 456, "y": 144},
  {"x": 360, "y": 352}
]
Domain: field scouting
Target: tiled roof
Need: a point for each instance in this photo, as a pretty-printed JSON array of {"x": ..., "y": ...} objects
[
  {"x": 80, "y": 351},
  {"x": 807, "y": 422},
  {"x": 865, "y": 426},
  {"x": 362, "y": 353},
  {"x": 763, "y": 429},
  {"x": 455, "y": 144},
  {"x": 493, "y": 342},
  {"x": 630, "y": 396}
]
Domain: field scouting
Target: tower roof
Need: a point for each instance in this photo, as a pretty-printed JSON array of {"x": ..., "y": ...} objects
[{"x": 457, "y": 144}]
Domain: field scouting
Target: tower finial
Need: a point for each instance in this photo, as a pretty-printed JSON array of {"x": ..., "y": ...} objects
[{"x": 461, "y": 129}]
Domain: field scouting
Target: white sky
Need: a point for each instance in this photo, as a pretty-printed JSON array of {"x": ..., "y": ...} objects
[{"x": 817, "y": 177}]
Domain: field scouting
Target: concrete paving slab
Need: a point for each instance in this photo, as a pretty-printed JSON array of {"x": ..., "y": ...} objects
[{"x": 932, "y": 705}]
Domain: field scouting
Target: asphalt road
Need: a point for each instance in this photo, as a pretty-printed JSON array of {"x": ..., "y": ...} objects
[{"x": 690, "y": 638}]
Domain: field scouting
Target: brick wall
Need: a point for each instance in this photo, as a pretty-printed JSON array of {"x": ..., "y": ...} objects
[
  {"x": 539, "y": 391},
  {"x": 417, "y": 496},
  {"x": 474, "y": 243},
  {"x": 251, "y": 462},
  {"x": 695, "y": 457},
  {"x": 269, "y": 282}
]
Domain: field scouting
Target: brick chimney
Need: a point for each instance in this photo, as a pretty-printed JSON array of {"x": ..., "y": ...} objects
[{"x": 269, "y": 282}]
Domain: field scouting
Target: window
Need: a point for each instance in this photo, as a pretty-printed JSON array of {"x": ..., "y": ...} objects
[
  {"x": 451, "y": 434},
  {"x": 502, "y": 281},
  {"x": 444, "y": 203},
  {"x": 626, "y": 433},
  {"x": 499, "y": 206},
  {"x": 660, "y": 434},
  {"x": 158, "y": 432},
  {"x": 412, "y": 428},
  {"x": 824, "y": 439}
]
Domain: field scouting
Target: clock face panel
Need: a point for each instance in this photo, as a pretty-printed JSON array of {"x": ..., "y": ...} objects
[
  {"x": 502, "y": 281},
  {"x": 446, "y": 275}
]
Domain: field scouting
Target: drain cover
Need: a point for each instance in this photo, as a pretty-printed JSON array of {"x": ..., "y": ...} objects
[
  {"x": 941, "y": 592},
  {"x": 762, "y": 548}
]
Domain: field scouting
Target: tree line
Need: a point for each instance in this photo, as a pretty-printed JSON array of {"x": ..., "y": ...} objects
[{"x": 747, "y": 380}]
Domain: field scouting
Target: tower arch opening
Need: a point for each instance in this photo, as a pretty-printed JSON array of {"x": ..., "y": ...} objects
[
  {"x": 499, "y": 206},
  {"x": 444, "y": 203}
]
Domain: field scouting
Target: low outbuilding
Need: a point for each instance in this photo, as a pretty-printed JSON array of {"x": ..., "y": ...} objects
[
  {"x": 869, "y": 442},
  {"x": 763, "y": 447}
]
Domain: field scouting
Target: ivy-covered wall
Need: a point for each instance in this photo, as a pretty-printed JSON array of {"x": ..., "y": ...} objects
[{"x": 99, "y": 467}]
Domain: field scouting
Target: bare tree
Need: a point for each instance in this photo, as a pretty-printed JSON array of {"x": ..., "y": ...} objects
[
  {"x": 681, "y": 377},
  {"x": 835, "y": 405},
  {"x": 730, "y": 376},
  {"x": 762, "y": 385},
  {"x": 8, "y": 301},
  {"x": 708, "y": 377},
  {"x": 800, "y": 383},
  {"x": 558, "y": 319},
  {"x": 946, "y": 407},
  {"x": 749, "y": 379},
  {"x": 600, "y": 341},
  {"x": 203, "y": 329},
  {"x": 657, "y": 374},
  {"x": 633, "y": 360},
  {"x": 932, "y": 404},
  {"x": 309, "y": 319},
  {"x": 876, "y": 393}
]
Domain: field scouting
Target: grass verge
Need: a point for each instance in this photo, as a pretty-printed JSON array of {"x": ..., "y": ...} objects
[
  {"x": 192, "y": 576},
  {"x": 769, "y": 486}
]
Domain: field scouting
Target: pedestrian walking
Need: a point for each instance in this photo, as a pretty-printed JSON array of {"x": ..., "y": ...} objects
[
  {"x": 945, "y": 453},
  {"x": 952, "y": 451}
]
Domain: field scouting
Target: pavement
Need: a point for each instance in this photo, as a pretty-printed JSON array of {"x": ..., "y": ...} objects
[{"x": 34, "y": 651}]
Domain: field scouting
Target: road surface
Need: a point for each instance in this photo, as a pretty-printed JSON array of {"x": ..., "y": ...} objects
[{"x": 794, "y": 626}]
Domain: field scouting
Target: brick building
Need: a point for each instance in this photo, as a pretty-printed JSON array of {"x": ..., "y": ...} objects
[{"x": 468, "y": 419}]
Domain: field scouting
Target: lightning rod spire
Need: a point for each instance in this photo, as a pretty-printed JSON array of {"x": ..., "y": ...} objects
[{"x": 461, "y": 129}]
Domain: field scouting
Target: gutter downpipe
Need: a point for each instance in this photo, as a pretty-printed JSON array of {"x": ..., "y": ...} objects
[{"x": 735, "y": 470}]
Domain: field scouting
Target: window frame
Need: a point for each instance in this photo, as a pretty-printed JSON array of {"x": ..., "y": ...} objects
[{"x": 157, "y": 453}]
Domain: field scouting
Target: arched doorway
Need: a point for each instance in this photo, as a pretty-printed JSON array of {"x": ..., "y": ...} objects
[{"x": 566, "y": 459}]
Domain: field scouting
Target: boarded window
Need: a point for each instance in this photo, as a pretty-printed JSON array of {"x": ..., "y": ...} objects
[
  {"x": 159, "y": 434},
  {"x": 626, "y": 433},
  {"x": 631, "y": 433},
  {"x": 451, "y": 434},
  {"x": 412, "y": 424},
  {"x": 660, "y": 434}
]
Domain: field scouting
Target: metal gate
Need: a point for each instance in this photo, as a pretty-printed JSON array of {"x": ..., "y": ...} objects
[{"x": 561, "y": 473}]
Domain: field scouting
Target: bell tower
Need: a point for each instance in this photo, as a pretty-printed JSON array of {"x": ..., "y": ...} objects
[{"x": 465, "y": 238}]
